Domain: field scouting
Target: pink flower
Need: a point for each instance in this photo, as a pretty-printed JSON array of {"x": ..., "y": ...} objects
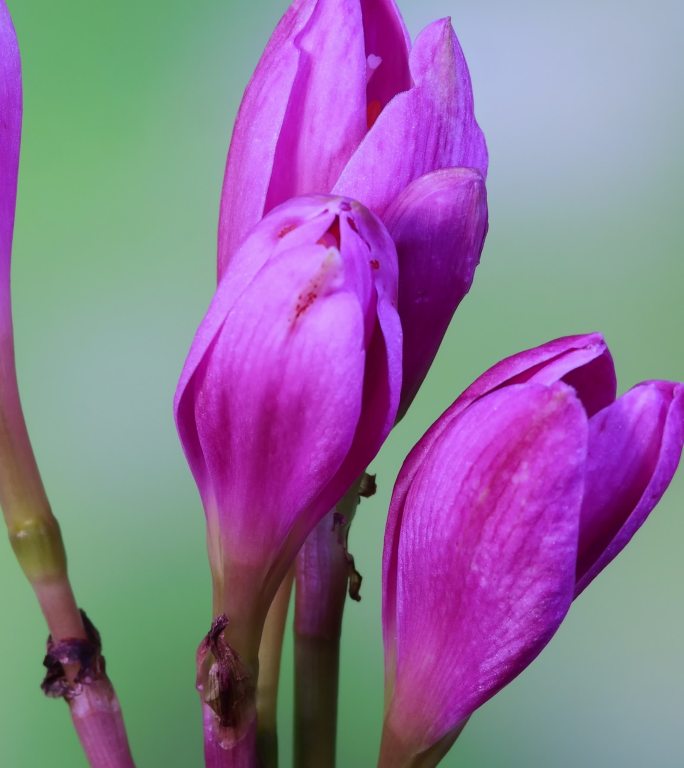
[
  {"x": 291, "y": 385},
  {"x": 515, "y": 499},
  {"x": 341, "y": 103}
]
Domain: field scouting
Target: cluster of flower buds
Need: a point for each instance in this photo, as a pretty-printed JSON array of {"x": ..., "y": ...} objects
[
  {"x": 352, "y": 220},
  {"x": 353, "y": 217},
  {"x": 329, "y": 309}
]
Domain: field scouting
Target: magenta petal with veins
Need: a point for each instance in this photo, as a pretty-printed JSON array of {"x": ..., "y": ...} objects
[
  {"x": 293, "y": 380},
  {"x": 479, "y": 556},
  {"x": 497, "y": 523}
]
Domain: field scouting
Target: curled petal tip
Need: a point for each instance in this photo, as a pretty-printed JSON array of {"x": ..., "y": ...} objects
[{"x": 634, "y": 450}]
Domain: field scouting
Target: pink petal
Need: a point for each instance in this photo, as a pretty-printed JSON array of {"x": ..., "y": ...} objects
[
  {"x": 299, "y": 222},
  {"x": 326, "y": 117},
  {"x": 10, "y": 138},
  {"x": 291, "y": 136},
  {"x": 480, "y": 556},
  {"x": 438, "y": 223},
  {"x": 581, "y": 361},
  {"x": 273, "y": 420},
  {"x": 584, "y": 362},
  {"x": 429, "y": 127},
  {"x": 382, "y": 385},
  {"x": 634, "y": 448}
]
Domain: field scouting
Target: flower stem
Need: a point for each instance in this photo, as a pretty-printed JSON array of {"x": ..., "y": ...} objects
[
  {"x": 270, "y": 654},
  {"x": 37, "y": 543},
  {"x": 97, "y": 718},
  {"x": 227, "y": 671},
  {"x": 395, "y": 753},
  {"x": 218, "y": 753},
  {"x": 323, "y": 572}
]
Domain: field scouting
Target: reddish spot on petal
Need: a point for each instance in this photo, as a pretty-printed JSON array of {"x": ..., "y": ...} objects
[
  {"x": 304, "y": 301},
  {"x": 375, "y": 264},
  {"x": 286, "y": 230},
  {"x": 316, "y": 285},
  {"x": 373, "y": 110}
]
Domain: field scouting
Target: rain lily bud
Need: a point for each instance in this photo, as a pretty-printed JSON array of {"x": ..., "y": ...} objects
[
  {"x": 515, "y": 499},
  {"x": 341, "y": 103},
  {"x": 33, "y": 531},
  {"x": 291, "y": 385}
]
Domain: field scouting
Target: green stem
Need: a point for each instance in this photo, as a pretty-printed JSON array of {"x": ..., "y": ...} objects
[
  {"x": 270, "y": 655},
  {"x": 396, "y": 753},
  {"x": 322, "y": 575},
  {"x": 37, "y": 543},
  {"x": 316, "y": 673}
]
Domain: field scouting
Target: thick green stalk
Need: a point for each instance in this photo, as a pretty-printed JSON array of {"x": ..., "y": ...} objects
[
  {"x": 324, "y": 572},
  {"x": 228, "y": 660},
  {"x": 270, "y": 655}
]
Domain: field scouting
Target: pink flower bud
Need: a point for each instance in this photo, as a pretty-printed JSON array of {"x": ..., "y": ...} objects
[
  {"x": 291, "y": 385},
  {"x": 341, "y": 103},
  {"x": 515, "y": 499}
]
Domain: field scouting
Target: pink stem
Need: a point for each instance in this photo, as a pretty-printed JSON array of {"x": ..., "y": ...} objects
[
  {"x": 98, "y": 721},
  {"x": 223, "y": 748}
]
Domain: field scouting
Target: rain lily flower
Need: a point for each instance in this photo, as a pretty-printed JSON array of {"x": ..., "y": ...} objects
[
  {"x": 515, "y": 499},
  {"x": 291, "y": 385},
  {"x": 341, "y": 103}
]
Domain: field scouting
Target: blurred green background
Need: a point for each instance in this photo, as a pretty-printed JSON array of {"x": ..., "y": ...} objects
[{"x": 127, "y": 121}]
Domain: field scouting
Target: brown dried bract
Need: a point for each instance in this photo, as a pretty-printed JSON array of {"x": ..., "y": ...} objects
[
  {"x": 84, "y": 654},
  {"x": 224, "y": 682},
  {"x": 367, "y": 487}
]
